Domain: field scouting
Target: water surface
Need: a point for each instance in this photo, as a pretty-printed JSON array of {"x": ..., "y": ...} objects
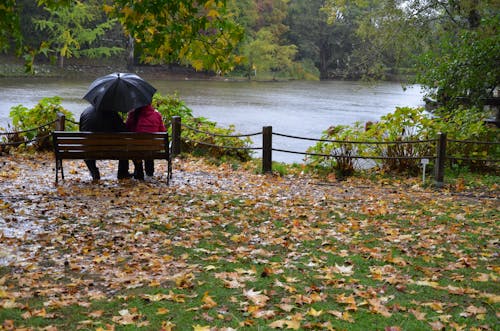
[{"x": 299, "y": 108}]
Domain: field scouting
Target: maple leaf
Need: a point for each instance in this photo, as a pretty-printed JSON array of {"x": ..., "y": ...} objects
[
  {"x": 256, "y": 297},
  {"x": 314, "y": 312},
  {"x": 208, "y": 302},
  {"x": 437, "y": 326},
  {"x": 198, "y": 327},
  {"x": 344, "y": 270},
  {"x": 279, "y": 324},
  {"x": 96, "y": 313},
  {"x": 377, "y": 307},
  {"x": 418, "y": 314},
  {"x": 162, "y": 311}
]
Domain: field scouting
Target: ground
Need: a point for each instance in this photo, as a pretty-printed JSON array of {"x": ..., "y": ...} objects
[{"x": 79, "y": 241}]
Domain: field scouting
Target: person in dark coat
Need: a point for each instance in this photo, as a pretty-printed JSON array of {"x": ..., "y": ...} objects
[{"x": 103, "y": 121}]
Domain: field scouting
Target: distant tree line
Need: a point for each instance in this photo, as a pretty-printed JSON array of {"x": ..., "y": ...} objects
[{"x": 450, "y": 47}]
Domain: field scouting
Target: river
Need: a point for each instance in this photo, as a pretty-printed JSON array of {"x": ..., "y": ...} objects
[{"x": 298, "y": 108}]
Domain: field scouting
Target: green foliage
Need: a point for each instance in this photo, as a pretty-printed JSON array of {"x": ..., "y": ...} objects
[
  {"x": 410, "y": 129},
  {"x": 9, "y": 25},
  {"x": 464, "y": 68},
  {"x": 468, "y": 125},
  {"x": 335, "y": 151},
  {"x": 264, "y": 54},
  {"x": 69, "y": 34},
  {"x": 37, "y": 121},
  {"x": 198, "y": 33},
  {"x": 194, "y": 139},
  {"x": 405, "y": 124},
  {"x": 171, "y": 105}
]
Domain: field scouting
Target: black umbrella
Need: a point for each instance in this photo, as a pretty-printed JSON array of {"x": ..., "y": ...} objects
[{"x": 119, "y": 92}]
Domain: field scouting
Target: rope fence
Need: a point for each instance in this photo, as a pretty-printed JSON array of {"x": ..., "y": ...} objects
[
  {"x": 16, "y": 138},
  {"x": 439, "y": 144}
]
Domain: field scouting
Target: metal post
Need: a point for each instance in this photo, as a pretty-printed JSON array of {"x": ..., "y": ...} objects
[
  {"x": 61, "y": 122},
  {"x": 440, "y": 160},
  {"x": 267, "y": 149},
  {"x": 176, "y": 135}
]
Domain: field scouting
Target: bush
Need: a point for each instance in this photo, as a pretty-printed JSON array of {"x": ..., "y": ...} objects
[
  {"x": 335, "y": 154},
  {"x": 403, "y": 126},
  {"x": 469, "y": 125},
  {"x": 37, "y": 123},
  {"x": 406, "y": 127},
  {"x": 199, "y": 143}
]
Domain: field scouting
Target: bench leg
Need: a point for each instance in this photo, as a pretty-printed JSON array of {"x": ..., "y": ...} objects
[{"x": 59, "y": 167}]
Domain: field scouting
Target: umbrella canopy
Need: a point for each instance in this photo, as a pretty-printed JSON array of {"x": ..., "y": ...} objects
[{"x": 120, "y": 92}]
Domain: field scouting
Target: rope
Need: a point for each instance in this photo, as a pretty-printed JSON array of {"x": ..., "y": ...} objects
[
  {"x": 473, "y": 142},
  {"x": 29, "y": 130},
  {"x": 358, "y": 156},
  {"x": 219, "y": 146},
  {"x": 357, "y": 142},
  {"x": 71, "y": 121},
  {"x": 222, "y": 135},
  {"x": 17, "y": 143},
  {"x": 471, "y": 159}
]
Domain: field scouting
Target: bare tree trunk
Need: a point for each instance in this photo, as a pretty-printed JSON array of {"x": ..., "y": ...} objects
[{"x": 130, "y": 53}]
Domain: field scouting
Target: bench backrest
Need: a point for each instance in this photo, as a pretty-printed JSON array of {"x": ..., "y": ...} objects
[{"x": 110, "y": 145}]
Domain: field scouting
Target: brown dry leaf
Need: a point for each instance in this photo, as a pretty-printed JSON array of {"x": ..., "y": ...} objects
[
  {"x": 418, "y": 314},
  {"x": 162, "y": 311},
  {"x": 96, "y": 313},
  {"x": 392, "y": 328},
  {"x": 208, "y": 302},
  {"x": 279, "y": 324},
  {"x": 377, "y": 307},
  {"x": 437, "y": 326},
  {"x": 256, "y": 297}
]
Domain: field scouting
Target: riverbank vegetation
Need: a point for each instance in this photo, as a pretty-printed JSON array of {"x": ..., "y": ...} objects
[
  {"x": 418, "y": 129},
  {"x": 450, "y": 48}
]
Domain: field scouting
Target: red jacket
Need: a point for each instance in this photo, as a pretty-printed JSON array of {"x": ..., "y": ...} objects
[{"x": 145, "y": 119}]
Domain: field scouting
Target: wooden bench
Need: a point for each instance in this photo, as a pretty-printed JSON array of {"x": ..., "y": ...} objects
[{"x": 77, "y": 145}]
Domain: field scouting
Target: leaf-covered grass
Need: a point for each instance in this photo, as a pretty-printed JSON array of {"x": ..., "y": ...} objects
[{"x": 226, "y": 248}]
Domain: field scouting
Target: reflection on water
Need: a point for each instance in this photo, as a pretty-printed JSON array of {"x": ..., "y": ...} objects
[{"x": 301, "y": 108}]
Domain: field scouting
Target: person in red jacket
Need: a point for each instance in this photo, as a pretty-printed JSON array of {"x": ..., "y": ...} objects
[{"x": 144, "y": 119}]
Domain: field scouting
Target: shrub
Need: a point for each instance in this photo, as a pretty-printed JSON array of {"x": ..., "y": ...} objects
[
  {"x": 196, "y": 142},
  {"x": 402, "y": 127},
  {"x": 469, "y": 125},
  {"x": 37, "y": 123},
  {"x": 409, "y": 129},
  {"x": 335, "y": 154}
]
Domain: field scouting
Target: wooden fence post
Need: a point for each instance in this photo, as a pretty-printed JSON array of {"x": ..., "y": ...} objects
[
  {"x": 176, "y": 135},
  {"x": 267, "y": 149},
  {"x": 440, "y": 160},
  {"x": 61, "y": 122}
]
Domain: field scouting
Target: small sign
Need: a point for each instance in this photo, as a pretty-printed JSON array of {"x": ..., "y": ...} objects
[{"x": 424, "y": 161}]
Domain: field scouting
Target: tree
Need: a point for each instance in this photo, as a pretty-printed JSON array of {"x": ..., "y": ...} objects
[
  {"x": 9, "y": 26},
  {"x": 462, "y": 67},
  {"x": 328, "y": 45},
  {"x": 264, "y": 54},
  {"x": 191, "y": 32},
  {"x": 453, "y": 46},
  {"x": 382, "y": 40},
  {"x": 72, "y": 31},
  {"x": 165, "y": 31}
]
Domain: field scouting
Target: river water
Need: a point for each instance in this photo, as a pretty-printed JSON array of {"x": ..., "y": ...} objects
[{"x": 298, "y": 108}]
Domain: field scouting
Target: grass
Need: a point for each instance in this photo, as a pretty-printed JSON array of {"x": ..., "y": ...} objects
[{"x": 245, "y": 251}]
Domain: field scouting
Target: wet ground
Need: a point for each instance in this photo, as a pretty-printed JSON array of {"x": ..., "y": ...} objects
[{"x": 33, "y": 207}]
